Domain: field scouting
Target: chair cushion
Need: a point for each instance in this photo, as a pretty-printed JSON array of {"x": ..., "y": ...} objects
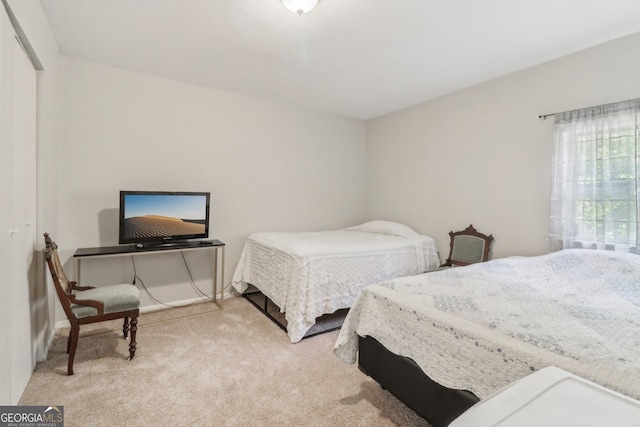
[
  {"x": 114, "y": 297},
  {"x": 467, "y": 249}
]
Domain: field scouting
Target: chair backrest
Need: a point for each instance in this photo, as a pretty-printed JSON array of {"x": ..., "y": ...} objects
[
  {"x": 60, "y": 281},
  {"x": 468, "y": 247}
]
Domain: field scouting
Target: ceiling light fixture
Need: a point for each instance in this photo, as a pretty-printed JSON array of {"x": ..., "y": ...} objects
[{"x": 300, "y": 7}]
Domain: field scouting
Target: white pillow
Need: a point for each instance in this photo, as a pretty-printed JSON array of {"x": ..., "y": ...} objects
[{"x": 385, "y": 227}]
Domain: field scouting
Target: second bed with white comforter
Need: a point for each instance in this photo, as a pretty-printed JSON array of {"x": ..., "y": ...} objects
[
  {"x": 480, "y": 327},
  {"x": 308, "y": 274}
]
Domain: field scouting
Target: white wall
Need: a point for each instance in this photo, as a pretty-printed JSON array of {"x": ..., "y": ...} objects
[
  {"x": 268, "y": 166},
  {"x": 482, "y": 156}
]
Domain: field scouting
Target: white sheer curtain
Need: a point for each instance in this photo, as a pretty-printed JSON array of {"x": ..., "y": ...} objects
[{"x": 594, "y": 194}]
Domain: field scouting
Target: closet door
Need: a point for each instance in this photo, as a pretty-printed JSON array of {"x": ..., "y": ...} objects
[
  {"x": 18, "y": 195},
  {"x": 6, "y": 212},
  {"x": 24, "y": 217}
]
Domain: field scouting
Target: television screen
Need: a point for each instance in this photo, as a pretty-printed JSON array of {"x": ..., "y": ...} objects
[{"x": 163, "y": 216}]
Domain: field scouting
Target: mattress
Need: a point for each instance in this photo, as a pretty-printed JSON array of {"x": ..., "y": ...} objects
[
  {"x": 483, "y": 326},
  {"x": 308, "y": 274},
  {"x": 552, "y": 397}
]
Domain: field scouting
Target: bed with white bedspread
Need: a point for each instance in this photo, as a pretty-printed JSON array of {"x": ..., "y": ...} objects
[
  {"x": 483, "y": 326},
  {"x": 308, "y": 274}
]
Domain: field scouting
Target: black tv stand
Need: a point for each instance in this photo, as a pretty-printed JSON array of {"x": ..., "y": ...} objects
[{"x": 178, "y": 246}]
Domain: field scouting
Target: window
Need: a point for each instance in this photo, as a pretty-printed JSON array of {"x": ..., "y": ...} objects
[{"x": 594, "y": 193}]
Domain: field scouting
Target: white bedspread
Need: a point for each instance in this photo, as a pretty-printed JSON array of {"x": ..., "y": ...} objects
[
  {"x": 484, "y": 326},
  {"x": 312, "y": 273}
]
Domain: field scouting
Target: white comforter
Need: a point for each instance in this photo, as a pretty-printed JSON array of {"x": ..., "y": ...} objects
[
  {"x": 312, "y": 273},
  {"x": 484, "y": 326}
]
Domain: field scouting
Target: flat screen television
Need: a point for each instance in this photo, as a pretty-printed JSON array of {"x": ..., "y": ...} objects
[{"x": 150, "y": 218}]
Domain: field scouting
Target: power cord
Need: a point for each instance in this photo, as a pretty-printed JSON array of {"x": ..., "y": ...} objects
[
  {"x": 195, "y": 287},
  {"x": 201, "y": 294}
]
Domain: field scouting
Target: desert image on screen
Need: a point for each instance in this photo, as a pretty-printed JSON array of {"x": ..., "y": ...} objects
[
  {"x": 149, "y": 216},
  {"x": 153, "y": 226}
]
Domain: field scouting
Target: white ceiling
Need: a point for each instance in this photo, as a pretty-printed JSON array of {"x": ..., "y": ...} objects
[{"x": 358, "y": 58}]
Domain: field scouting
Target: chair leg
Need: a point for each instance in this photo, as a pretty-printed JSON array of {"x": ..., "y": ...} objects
[
  {"x": 132, "y": 343},
  {"x": 72, "y": 344},
  {"x": 69, "y": 340},
  {"x": 125, "y": 327}
]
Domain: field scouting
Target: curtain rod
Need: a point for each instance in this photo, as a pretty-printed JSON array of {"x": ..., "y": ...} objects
[{"x": 545, "y": 116}]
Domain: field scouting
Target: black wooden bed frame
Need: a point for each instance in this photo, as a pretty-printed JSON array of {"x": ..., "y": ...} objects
[
  {"x": 403, "y": 378},
  {"x": 325, "y": 323}
]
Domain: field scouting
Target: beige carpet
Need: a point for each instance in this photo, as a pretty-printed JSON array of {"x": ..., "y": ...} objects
[{"x": 198, "y": 366}]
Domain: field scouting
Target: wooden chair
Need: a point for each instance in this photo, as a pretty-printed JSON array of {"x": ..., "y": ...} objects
[
  {"x": 468, "y": 247},
  {"x": 86, "y": 304}
]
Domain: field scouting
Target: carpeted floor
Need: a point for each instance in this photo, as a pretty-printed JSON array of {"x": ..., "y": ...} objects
[{"x": 199, "y": 366}]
